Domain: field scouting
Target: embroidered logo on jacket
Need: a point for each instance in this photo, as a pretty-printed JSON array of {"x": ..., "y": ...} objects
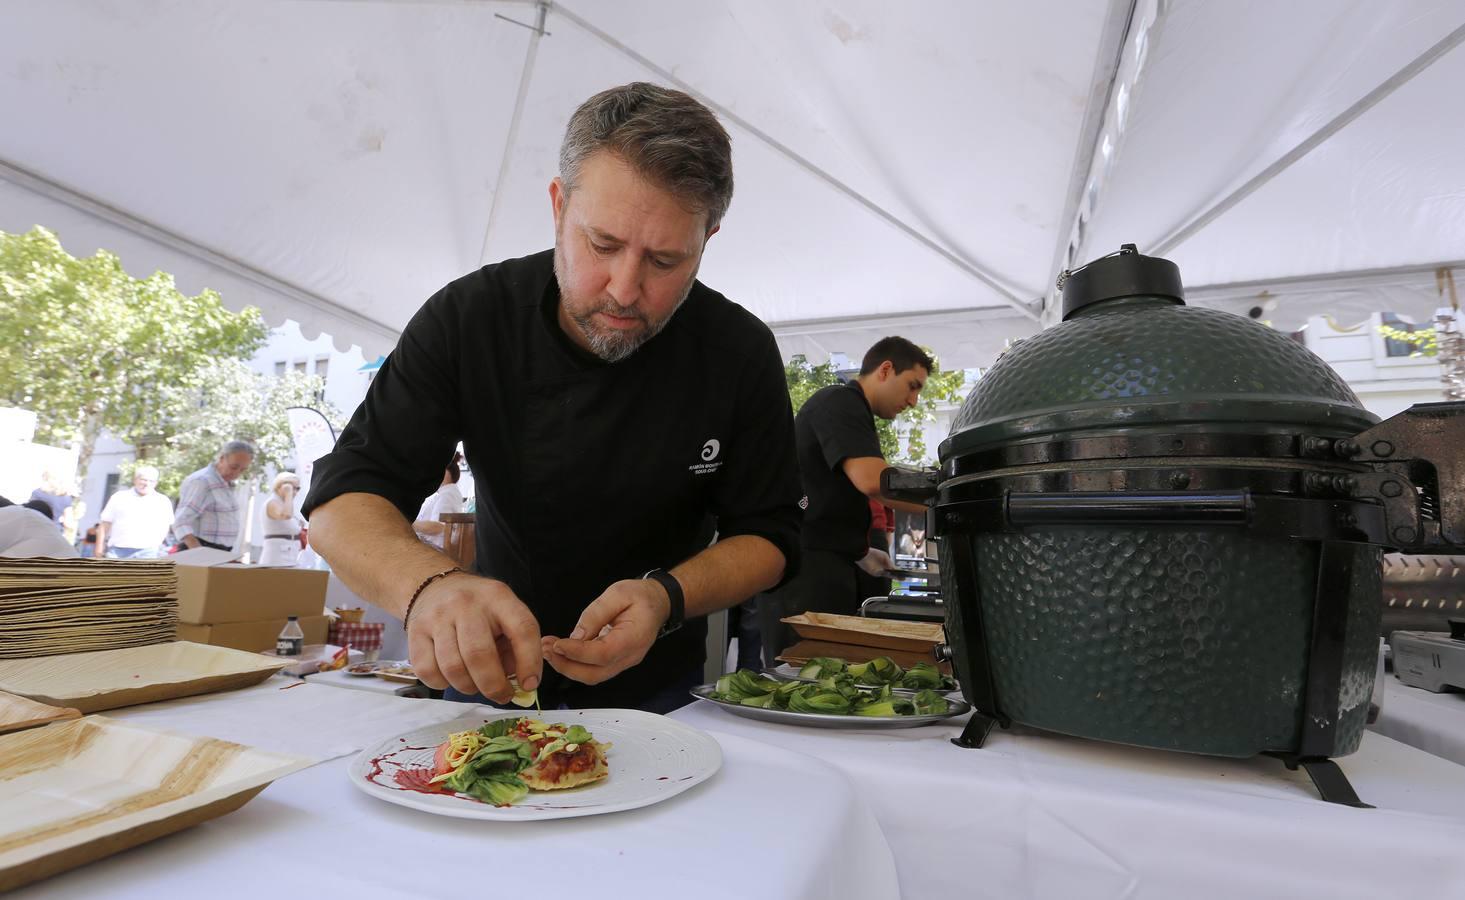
[{"x": 710, "y": 463}]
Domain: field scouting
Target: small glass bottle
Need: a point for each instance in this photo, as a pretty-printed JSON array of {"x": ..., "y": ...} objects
[{"x": 291, "y": 640}]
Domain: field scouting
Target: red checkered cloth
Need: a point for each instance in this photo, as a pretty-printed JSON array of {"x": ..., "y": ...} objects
[{"x": 362, "y": 636}]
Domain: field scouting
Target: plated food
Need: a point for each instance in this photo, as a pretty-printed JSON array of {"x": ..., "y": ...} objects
[
  {"x": 503, "y": 760},
  {"x": 654, "y": 759}
]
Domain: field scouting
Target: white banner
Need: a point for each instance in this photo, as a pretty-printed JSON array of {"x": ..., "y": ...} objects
[{"x": 314, "y": 438}]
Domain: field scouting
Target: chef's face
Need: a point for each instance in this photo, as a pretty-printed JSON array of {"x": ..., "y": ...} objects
[
  {"x": 626, "y": 253},
  {"x": 895, "y": 392}
]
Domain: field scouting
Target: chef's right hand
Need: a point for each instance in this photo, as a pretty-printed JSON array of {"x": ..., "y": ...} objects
[{"x": 473, "y": 633}]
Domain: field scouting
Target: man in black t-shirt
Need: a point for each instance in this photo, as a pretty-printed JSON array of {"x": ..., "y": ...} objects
[
  {"x": 840, "y": 462},
  {"x": 615, "y": 413}
]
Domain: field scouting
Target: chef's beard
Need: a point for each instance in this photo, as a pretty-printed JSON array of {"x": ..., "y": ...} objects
[{"x": 610, "y": 345}]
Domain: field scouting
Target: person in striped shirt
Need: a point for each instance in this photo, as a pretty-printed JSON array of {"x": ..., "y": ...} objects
[{"x": 208, "y": 511}]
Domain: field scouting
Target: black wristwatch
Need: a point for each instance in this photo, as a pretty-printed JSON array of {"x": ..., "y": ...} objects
[{"x": 678, "y": 600}]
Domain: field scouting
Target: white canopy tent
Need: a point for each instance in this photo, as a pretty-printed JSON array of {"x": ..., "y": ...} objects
[{"x": 919, "y": 168}]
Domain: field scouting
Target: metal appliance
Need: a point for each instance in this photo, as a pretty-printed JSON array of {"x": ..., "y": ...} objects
[{"x": 1162, "y": 525}]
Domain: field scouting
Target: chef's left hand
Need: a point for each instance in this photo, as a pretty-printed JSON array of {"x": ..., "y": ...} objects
[{"x": 613, "y": 634}]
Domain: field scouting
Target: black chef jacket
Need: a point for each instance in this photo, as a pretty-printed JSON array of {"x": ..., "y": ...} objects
[
  {"x": 834, "y": 425},
  {"x": 585, "y": 472}
]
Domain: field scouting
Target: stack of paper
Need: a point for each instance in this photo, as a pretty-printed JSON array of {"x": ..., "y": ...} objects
[{"x": 55, "y": 606}]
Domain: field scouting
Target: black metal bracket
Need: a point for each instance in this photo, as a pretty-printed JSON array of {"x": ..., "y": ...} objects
[
  {"x": 977, "y": 730},
  {"x": 976, "y": 678},
  {"x": 1423, "y": 443},
  {"x": 1325, "y": 654},
  {"x": 910, "y": 485},
  {"x": 1331, "y": 783}
]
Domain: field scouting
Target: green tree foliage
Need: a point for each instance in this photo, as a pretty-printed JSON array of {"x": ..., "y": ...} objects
[
  {"x": 230, "y": 401},
  {"x": 804, "y": 378},
  {"x": 89, "y": 347}
]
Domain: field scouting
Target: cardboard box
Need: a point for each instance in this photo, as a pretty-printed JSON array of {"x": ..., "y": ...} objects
[
  {"x": 252, "y": 636},
  {"x": 214, "y": 590}
]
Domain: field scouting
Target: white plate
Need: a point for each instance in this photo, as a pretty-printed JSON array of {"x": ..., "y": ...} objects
[{"x": 652, "y": 758}]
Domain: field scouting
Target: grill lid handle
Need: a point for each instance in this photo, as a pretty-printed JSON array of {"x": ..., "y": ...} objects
[
  {"x": 1118, "y": 508},
  {"x": 910, "y": 485}
]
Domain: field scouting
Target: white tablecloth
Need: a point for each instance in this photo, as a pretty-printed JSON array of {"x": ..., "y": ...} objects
[
  {"x": 1039, "y": 815},
  {"x": 370, "y": 684},
  {"x": 771, "y": 824},
  {"x": 288, "y": 715},
  {"x": 1435, "y": 723}
]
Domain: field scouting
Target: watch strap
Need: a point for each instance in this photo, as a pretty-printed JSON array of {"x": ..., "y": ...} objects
[{"x": 678, "y": 600}]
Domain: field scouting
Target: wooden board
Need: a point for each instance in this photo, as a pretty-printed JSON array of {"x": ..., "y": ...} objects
[
  {"x": 886, "y": 634},
  {"x": 17, "y": 713},
  {"x": 77, "y": 791},
  {"x": 109, "y": 679}
]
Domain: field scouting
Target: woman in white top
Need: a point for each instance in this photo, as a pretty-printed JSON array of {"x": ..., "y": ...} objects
[
  {"x": 447, "y": 499},
  {"x": 282, "y": 524}
]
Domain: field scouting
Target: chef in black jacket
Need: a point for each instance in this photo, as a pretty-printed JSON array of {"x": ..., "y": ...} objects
[
  {"x": 616, "y": 413},
  {"x": 840, "y": 462}
]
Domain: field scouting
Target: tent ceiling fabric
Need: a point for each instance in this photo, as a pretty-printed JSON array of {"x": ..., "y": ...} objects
[
  {"x": 349, "y": 149},
  {"x": 1387, "y": 191},
  {"x": 336, "y": 162}
]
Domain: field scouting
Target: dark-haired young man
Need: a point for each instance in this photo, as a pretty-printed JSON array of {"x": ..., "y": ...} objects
[{"x": 840, "y": 462}]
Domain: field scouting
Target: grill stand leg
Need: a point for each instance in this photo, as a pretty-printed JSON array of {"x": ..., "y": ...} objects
[
  {"x": 976, "y": 731},
  {"x": 1332, "y": 785},
  {"x": 1336, "y": 578}
]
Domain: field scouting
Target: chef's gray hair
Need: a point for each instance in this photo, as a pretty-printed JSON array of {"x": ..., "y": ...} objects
[{"x": 667, "y": 136}]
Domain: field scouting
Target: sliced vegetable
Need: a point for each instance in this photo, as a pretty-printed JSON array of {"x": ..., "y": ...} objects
[
  {"x": 833, "y": 694},
  {"x": 819, "y": 701},
  {"x": 880, "y": 670},
  {"x": 930, "y": 703},
  {"x": 822, "y": 667}
]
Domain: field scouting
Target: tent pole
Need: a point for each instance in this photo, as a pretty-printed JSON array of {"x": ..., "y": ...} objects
[
  {"x": 1368, "y": 101},
  {"x": 1327, "y": 281},
  {"x": 970, "y": 267},
  {"x": 923, "y": 317},
  {"x": 126, "y": 221},
  {"x": 1112, "y": 42},
  {"x": 506, "y": 161}
]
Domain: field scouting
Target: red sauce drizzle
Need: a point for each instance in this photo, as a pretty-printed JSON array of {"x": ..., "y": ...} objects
[{"x": 401, "y": 777}]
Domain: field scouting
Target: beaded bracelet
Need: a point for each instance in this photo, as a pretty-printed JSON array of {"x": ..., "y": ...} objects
[{"x": 420, "y": 588}]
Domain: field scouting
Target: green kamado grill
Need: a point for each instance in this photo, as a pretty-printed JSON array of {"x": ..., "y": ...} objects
[{"x": 1162, "y": 525}]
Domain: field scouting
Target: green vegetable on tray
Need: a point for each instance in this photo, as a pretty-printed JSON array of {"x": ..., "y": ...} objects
[
  {"x": 837, "y": 693},
  {"x": 878, "y": 671}
]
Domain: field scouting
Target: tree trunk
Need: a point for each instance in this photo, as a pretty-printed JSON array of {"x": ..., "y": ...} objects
[{"x": 91, "y": 429}]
